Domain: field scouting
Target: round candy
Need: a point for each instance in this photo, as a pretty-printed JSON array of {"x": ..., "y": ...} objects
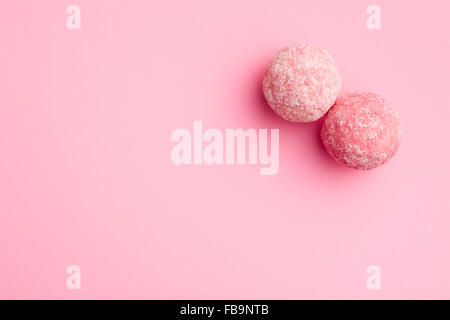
[
  {"x": 361, "y": 131},
  {"x": 301, "y": 83}
]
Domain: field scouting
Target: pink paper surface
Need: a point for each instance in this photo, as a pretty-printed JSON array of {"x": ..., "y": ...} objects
[{"x": 86, "y": 176}]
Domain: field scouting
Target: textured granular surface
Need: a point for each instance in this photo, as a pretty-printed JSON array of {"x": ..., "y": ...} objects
[
  {"x": 301, "y": 83},
  {"x": 361, "y": 131}
]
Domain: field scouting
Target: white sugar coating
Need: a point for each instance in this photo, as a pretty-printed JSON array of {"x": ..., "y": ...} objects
[{"x": 301, "y": 83}]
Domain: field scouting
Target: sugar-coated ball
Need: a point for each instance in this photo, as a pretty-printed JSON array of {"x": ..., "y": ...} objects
[
  {"x": 361, "y": 130},
  {"x": 301, "y": 83}
]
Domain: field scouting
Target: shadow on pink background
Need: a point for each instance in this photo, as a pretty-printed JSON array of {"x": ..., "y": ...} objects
[{"x": 86, "y": 176}]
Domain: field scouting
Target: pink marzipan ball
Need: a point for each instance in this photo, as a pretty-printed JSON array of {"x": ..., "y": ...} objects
[
  {"x": 361, "y": 131},
  {"x": 301, "y": 83}
]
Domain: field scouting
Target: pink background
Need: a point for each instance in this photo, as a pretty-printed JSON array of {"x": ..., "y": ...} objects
[{"x": 86, "y": 176}]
